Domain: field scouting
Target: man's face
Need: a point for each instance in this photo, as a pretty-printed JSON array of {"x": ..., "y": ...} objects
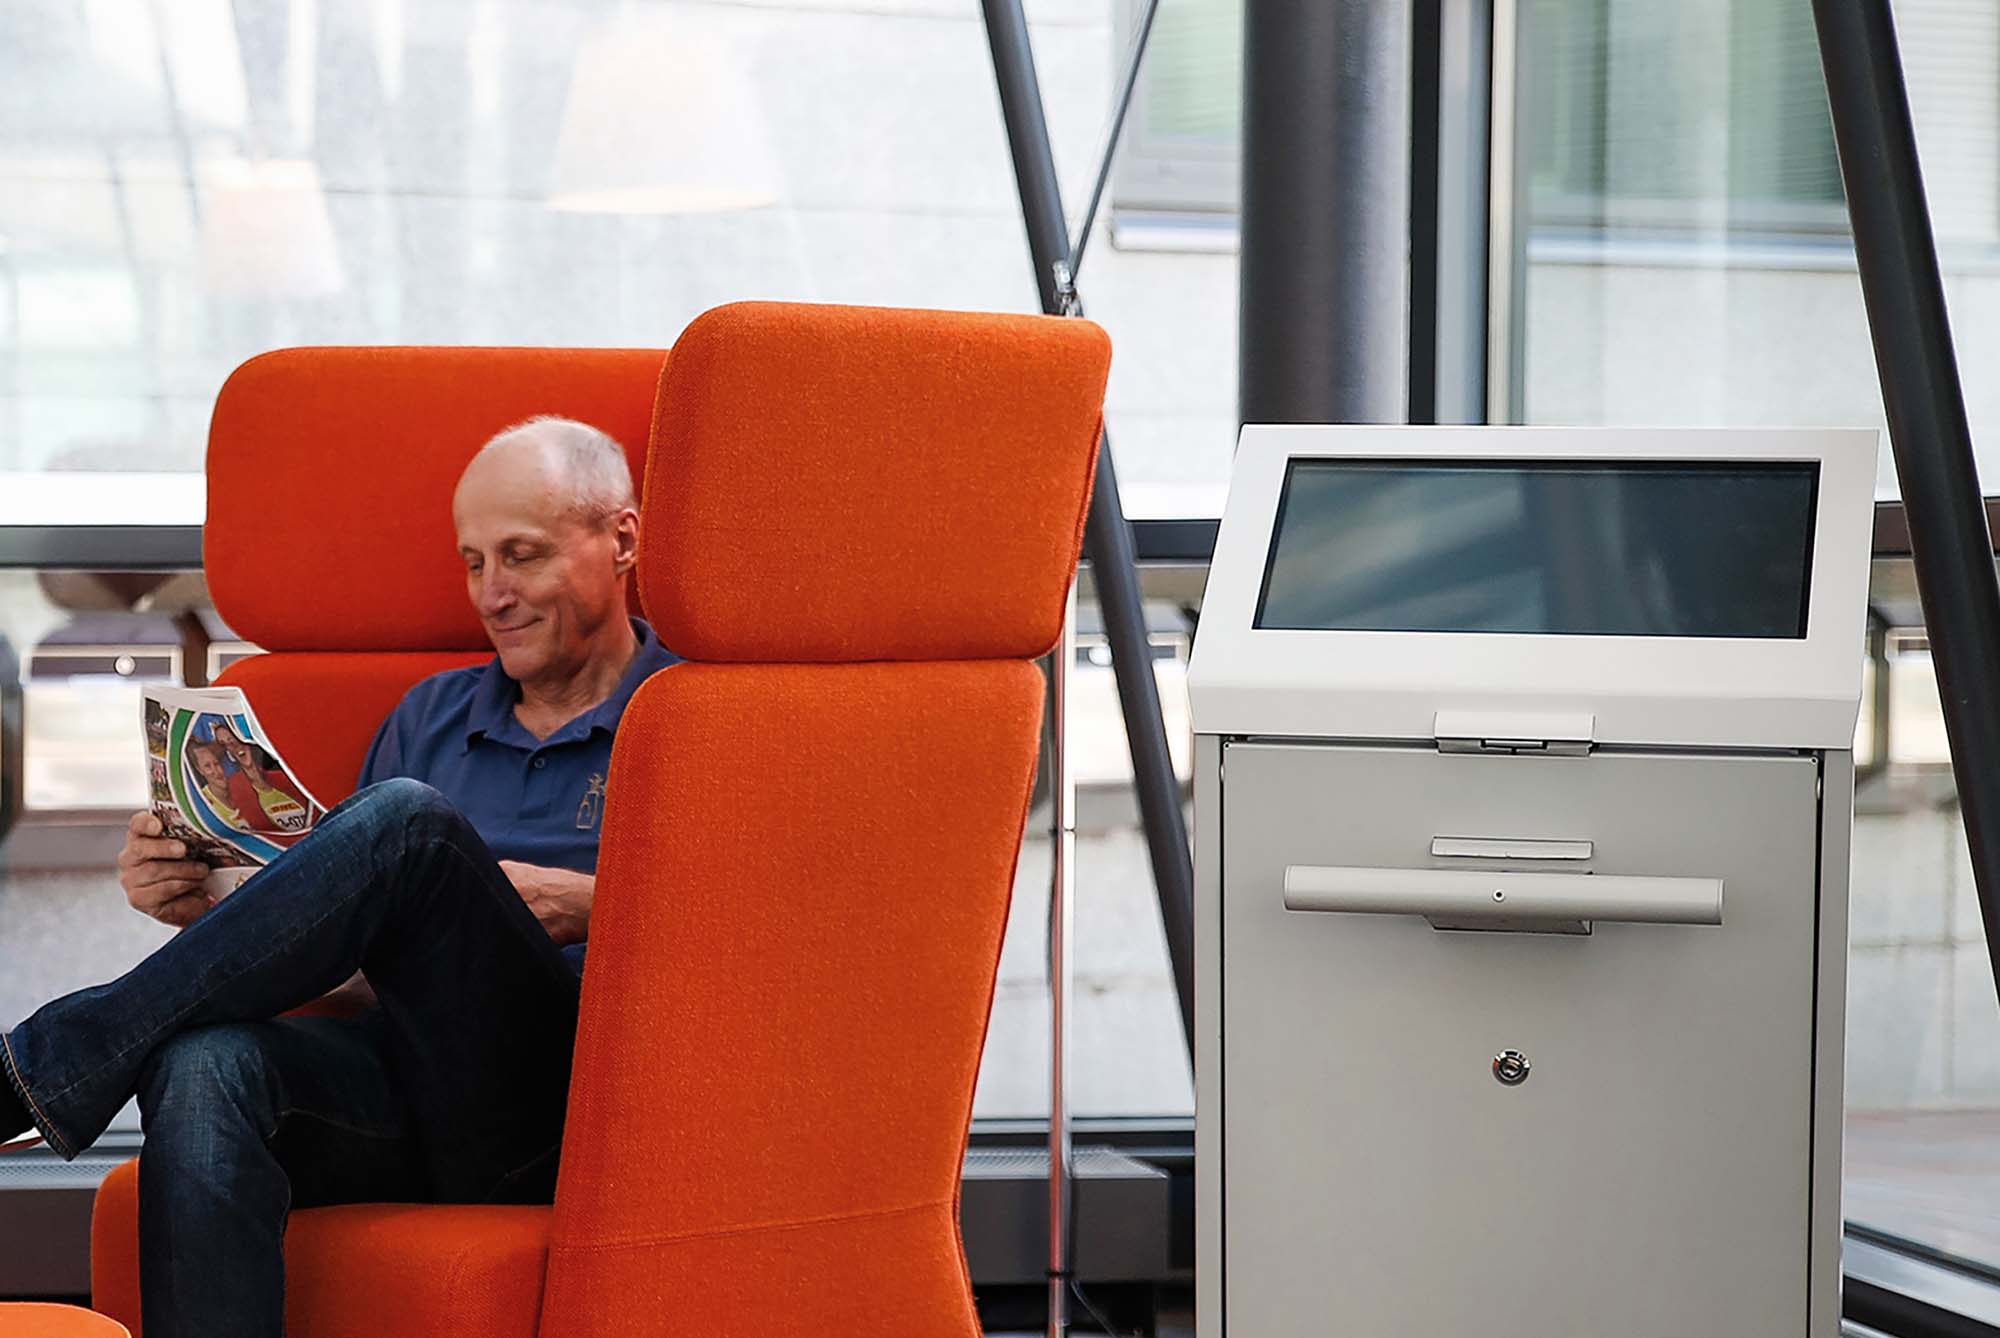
[{"x": 544, "y": 581}]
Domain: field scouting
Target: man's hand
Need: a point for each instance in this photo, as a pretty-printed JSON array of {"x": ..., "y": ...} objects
[
  {"x": 560, "y": 898},
  {"x": 157, "y": 876}
]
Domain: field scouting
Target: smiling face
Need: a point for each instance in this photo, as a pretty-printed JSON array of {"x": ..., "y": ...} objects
[
  {"x": 208, "y": 763},
  {"x": 545, "y": 575},
  {"x": 231, "y": 745}
]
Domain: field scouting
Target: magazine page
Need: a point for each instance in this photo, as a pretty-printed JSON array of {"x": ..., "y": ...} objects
[{"x": 219, "y": 785}]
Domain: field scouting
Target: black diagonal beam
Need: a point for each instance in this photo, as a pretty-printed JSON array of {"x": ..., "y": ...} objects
[
  {"x": 1107, "y": 539},
  {"x": 1950, "y": 545}
]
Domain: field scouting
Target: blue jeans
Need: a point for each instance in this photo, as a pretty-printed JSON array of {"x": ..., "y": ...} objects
[{"x": 452, "y": 1090}]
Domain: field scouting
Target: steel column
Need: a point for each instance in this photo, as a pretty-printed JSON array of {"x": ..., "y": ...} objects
[
  {"x": 1326, "y": 208},
  {"x": 1107, "y": 539},
  {"x": 1950, "y": 544}
]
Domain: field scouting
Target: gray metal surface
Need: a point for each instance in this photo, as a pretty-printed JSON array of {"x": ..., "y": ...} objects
[
  {"x": 1209, "y": 1273},
  {"x": 1374, "y": 1167},
  {"x": 1836, "y": 808},
  {"x": 1465, "y": 90},
  {"x": 101, "y": 547},
  {"x": 1324, "y": 293}
]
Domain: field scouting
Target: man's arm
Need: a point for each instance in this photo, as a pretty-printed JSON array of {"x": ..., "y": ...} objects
[{"x": 560, "y": 898}]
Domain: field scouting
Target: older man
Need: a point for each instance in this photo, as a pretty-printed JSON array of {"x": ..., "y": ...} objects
[{"x": 457, "y": 883}]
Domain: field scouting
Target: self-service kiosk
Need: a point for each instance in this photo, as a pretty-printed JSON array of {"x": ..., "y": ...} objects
[{"x": 1523, "y": 793}]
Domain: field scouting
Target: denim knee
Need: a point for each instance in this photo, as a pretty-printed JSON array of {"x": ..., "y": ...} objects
[
  {"x": 400, "y": 799},
  {"x": 401, "y": 804},
  {"x": 205, "y": 1087}
]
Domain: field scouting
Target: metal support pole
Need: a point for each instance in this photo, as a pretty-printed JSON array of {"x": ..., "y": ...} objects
[
  {"x": 1326, "y": 193},
  {"x": 1950, "y": 544},
  {"x": 1107, "y": 539},
  {"x": 1129, "y": 82},
  {"x": 1062, "y": 904}
]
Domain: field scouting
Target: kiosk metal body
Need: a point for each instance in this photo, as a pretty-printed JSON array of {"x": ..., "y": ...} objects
[{"x": 1523, "y": 796}]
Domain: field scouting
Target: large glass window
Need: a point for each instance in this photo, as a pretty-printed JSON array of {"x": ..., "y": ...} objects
[
  {"x": 1686, "y": 262},
  {"x": 1923, "y": 1030},
  {"x": 1182, "y": 156},
  {"x": 185, "y": 185},
  {"x": 1650, "y": 119}
]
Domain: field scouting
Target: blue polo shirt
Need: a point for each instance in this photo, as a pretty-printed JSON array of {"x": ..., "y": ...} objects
[{"x": 538, "y": 801}]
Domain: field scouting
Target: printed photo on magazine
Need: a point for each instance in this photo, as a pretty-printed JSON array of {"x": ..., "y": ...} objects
[{"x": 219, "y": 785}]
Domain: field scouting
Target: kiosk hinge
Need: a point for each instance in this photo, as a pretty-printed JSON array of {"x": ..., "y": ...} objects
[
  {"x": 1514, "y": 734},
  {"x": 1517, "y": 747}
]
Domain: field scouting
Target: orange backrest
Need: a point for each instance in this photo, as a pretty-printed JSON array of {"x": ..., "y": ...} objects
[
  {"x": 329, "y": 540},
  {"x": 861, "y": 525}
]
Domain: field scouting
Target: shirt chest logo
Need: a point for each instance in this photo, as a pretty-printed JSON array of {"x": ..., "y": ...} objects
[{"x": 590, "y": 812}]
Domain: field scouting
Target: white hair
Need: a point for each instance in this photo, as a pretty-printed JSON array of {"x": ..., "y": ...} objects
[{"x": 593, "y": 464}]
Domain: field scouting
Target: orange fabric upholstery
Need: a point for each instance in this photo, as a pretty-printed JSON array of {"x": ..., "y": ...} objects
[
  {"x": 114, "y": 1247},
  {"x": 362, "y": 1271},
  {"x": 804, "y": 880},
  {"x": 807, "y": 860},
  {"x": 330, "y": 473},
  {"x": 862, "y": 524},
  {"x": 379, "y": 1269},
  {"x": 39, "y": 1319},
  {"x": 329, "y": 535},
  {"x": 855, "y": 483}
]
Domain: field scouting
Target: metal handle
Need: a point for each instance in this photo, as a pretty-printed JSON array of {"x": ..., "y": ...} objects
[{"x": 1460, "y": 894}]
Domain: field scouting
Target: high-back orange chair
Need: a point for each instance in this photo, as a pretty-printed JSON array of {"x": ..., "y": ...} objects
[
  {"x": 859, "y": 526},
  {"x": 329, "y": 543}
]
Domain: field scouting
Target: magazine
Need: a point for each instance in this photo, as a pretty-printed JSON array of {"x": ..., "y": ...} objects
[{"x": 218, "y": 785}]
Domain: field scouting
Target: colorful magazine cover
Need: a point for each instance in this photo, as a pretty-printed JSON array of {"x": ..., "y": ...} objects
[{"x": 217, "y": 783}]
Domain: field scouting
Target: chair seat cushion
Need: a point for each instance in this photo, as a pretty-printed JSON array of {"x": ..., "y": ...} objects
[
  {"x": 38, "y": 1319},
  {"x": 368, "y": 1270}
]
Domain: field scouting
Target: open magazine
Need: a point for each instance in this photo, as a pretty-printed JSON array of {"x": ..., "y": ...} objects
[{"x": 218, "y": 784}]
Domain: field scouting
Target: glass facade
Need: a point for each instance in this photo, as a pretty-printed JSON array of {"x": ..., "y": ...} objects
[
  {"x": 184, "y": 185},
  {"x": 1687, "y": 263}
]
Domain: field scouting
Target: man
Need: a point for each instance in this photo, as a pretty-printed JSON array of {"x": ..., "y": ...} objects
[{"x": 457, "y": 882}]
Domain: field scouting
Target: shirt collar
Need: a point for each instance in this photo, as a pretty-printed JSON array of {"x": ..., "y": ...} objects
[{"x": 494, "y": 696}]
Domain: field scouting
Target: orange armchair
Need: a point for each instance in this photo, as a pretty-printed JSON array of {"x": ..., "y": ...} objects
[
  {"x": 859, "y": 526},
  {"x": 329, "y": 543}
]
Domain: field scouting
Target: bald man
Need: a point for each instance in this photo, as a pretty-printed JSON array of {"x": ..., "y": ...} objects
[{"x": 451, "y": 893}]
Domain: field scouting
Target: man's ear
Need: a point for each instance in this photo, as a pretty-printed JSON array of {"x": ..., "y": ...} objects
[{"x": 625, "y": 540}]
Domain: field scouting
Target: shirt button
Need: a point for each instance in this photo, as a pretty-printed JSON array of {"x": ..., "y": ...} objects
[{"x": 541, "y": 762}]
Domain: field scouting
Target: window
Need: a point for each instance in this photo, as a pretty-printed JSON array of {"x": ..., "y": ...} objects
[
  {"x": 186, "y": 185},
  {"x": 1686, "y": 262},
  {"x": 1182, "y": 148},
  {"x": 1649, "y": 117}
]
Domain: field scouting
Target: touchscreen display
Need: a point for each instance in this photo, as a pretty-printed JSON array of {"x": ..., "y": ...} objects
[{"x": 1570, "y": 547}]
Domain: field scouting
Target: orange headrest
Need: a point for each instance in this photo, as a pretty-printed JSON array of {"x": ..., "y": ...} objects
[
  {"x": 330, "y": 474},
  {"x": 856, "y": 483}
]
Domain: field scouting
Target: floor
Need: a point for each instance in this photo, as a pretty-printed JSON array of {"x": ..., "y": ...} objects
[{"x": 1930, "y": 1177}]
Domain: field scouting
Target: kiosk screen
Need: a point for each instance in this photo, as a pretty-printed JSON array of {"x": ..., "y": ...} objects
[{"x": 1570, "y": 547}]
